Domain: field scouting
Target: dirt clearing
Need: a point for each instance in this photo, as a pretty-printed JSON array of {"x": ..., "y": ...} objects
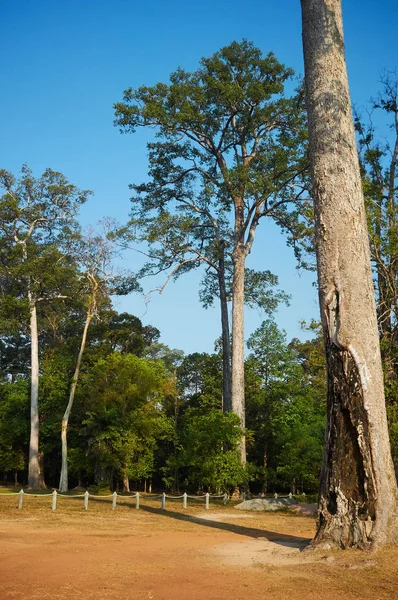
[{"x": 145, "y": 554}]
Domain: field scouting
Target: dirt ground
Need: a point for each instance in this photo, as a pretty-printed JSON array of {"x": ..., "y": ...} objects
[{"x": 145, "y": 554}]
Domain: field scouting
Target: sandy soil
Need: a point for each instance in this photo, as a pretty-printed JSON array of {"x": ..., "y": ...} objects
[{"x": 149, "y": 554}]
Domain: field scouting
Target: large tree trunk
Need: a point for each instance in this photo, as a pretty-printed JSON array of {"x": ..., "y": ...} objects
[
  {"x": 238, "y": 342},
  {"x": 357, "y": 500},
  {"x": 226, "y": 342},
  {"x": 34, "y": 480},
  {"x": 63, "y": 482}
]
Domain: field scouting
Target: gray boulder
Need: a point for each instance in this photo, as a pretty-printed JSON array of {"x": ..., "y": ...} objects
[{"x": 267, "y": 504}]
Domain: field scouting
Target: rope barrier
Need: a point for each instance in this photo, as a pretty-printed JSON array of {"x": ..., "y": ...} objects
[
  {"x": 35, "y": 495},
  {"x": 21, "y": 494},
  {"x": 135, "y": 496},
  {"x": 175, "y": 497},
  {"x": 70, "y": 495},
  {"x": 103, "y": 496}
]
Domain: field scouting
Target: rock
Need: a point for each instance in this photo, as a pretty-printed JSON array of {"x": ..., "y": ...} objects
[{"x": 266, "y": 504}]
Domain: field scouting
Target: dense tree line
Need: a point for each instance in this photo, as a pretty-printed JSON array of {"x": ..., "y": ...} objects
[{"x": 146, "y": 415}]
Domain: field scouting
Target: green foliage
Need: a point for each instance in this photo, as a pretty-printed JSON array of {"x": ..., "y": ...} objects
[
  {"x": 124, "y": 419},
  {"x": 285, "y": 394},
  {"x": 208, "y": 454},
  {"x": 225, "y": 134},
  {"x": 56, "y": 372},
  {"x": 200, "y": 380},
  {"x": 14, "y": 428},
  {"x": 170, "y": 358}
]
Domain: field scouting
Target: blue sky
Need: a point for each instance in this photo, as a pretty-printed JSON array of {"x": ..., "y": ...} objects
[{"x": 64, "y": 64}]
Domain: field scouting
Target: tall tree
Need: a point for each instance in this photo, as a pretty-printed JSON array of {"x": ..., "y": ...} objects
[
  {"x": 229, "y": 151},
  {"x": 36, "y": 215},
  {"x": 358, "y": 492}
]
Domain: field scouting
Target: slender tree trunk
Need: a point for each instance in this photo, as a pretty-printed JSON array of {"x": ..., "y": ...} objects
[
  {"x": 42, "y": 483},
  {"x": 34, "y": 467},
  {"x": 238, "y": 342},
  {"x": 265, "y": 465},
  {"x": 126, "y": 484},
  {"x": 358, "y": 493},
  {"x": 63, "y": 482},
  {"x": 226, "y": 342}
]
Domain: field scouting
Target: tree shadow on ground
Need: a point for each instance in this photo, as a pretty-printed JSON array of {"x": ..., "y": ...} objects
[{"x": 289, "y": 541}]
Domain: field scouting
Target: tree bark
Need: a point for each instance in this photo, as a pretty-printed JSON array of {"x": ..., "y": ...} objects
[
  {"x": 34, "y": 481},
  {"x": 358, "y": 493},
  {"x": 63, "y": 482},
  {"x": 226, "y": 342},
  {"x": 238, "y": 342},
  {"x": 126, "y": 483},
  {"x": 265, "y": 465},
  {"x": 42, "y": 483}
]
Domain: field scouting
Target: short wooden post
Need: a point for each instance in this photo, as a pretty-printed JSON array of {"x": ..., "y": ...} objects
[
  {"x": 137, "y": 500},
  {"x": 184, "y": 499},
  {"x": 20, "y": 499},
  {"x": 225, "y": 498},
  {"x": 54, "y": 502},
  {"x": 163, "y": 501},
  {"x": 207, "y": 501},
  {"x": 114, "y": 499},
  {"x": 86, "y": 500}
]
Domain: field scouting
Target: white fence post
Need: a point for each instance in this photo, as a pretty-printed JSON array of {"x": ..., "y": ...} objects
[
  {"x": 54, "y": 502},
  {"x": 86, "y": 500},
  {"x": 275, "y": 495},
  {"x": 137, "y": 500},
  {"x": 225, "y": 498},
  {"x": 184, "y": 501},
  {"x": 163, "y": 501},
  {"x": 20, "y": 499},
  {"x": 207, "y": 501},
  {"x": 244, "y": 496},
  {"x": 114, "y": 499}
]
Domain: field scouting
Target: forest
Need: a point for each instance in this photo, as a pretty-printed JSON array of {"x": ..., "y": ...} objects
[{"x": 90, "y": 396}]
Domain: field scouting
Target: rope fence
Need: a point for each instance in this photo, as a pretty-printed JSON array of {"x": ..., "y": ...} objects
[{"x": 162, "y": 497}]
